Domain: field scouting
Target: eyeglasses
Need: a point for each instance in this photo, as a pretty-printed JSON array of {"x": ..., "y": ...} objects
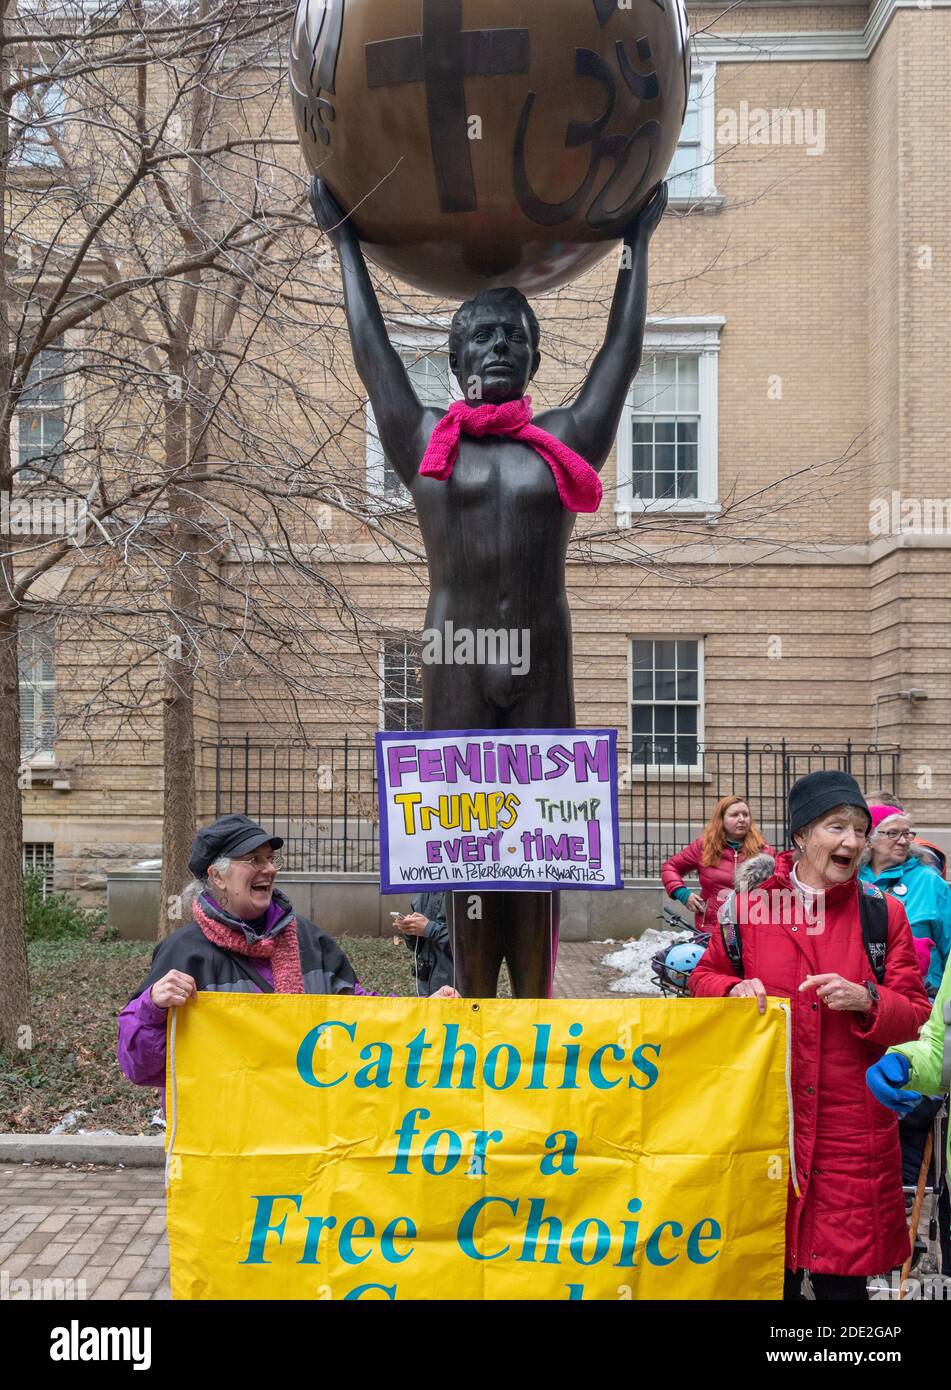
[
  {"x": 898, "y": 834},
  {"x": 270, "y": 861}
]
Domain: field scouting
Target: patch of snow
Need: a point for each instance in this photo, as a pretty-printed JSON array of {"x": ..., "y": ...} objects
[
  {"x": 157, "y": 1121},
  {"x": 634, "y": 961}
]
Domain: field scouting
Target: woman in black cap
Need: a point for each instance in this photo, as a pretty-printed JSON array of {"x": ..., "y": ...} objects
[
  {"x": 802, "y": 928},
  {"x": 244, "y": 935}
]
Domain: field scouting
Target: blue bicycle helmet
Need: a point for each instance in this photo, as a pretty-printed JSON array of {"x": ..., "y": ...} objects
[{"x": 673, "y": 967}]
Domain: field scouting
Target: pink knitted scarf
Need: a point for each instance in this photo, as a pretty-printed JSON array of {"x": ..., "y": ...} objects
[
  {"x": 579, "y": 487},
  {"x": 283, "y": 950}
]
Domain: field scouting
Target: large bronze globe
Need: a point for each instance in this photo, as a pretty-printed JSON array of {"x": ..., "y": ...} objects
[{"x": 486, "y": 142}]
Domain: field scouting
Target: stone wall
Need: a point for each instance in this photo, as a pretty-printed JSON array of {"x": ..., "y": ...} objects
[{"x": 83, "y": 869}]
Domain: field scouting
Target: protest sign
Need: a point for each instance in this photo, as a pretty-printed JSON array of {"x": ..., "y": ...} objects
[
  {"x": 530, "y": 809},
  {"x": 341, "y": 1148}
]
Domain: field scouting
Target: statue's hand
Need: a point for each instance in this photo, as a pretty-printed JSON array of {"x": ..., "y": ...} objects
[
  {"x": 328, "y": 212},
  {"x": 642, "y": 227}
]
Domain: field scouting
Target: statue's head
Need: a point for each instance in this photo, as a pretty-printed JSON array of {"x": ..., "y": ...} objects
[{"x": 493, "y": 346}]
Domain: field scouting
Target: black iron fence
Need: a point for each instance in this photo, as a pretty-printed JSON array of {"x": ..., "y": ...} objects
[{"x": 322, "y": 799}]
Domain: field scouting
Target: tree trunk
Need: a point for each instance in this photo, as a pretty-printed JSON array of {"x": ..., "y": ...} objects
[
  {"x": 184, "y": 597},
  {"x": 178, "y": 825},
  {"x": 15, "y": 1018},
  {"x": 15, "y": 1034},
  {"x": 178, "y": 719}
]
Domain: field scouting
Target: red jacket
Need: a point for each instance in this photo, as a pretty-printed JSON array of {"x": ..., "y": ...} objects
[
  {"x": 716, "y": 880},
  {"x": 850, "y": 1216}
]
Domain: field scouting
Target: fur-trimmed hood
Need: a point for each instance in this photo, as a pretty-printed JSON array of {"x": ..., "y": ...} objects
[{"x": 754, "y": 871}]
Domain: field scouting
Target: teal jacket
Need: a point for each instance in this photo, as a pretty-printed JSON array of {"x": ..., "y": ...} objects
[{"x": 926, "y": 898}]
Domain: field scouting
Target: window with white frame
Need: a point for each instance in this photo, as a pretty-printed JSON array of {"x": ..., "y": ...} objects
[
  {"x": 36, "y": 113},
  {"x": 691, "y": 175},
  {"x": 401, "y": 697},
  {"x": 665, "y": 429},
  {"x": 38, "y": 858},
  {"x": 667, "y": 445},
  {"x": 41, "y": 416},
  {"x": 666, "y": 701},
  {"x": 37, "y": 680},
  {"x": 425, "y": 355}
]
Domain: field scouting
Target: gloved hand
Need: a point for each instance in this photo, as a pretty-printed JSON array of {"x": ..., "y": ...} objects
[{"x": 884, "y": 1079}]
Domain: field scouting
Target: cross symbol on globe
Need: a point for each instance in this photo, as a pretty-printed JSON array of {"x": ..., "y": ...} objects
[{"x": 442, "y": 57}]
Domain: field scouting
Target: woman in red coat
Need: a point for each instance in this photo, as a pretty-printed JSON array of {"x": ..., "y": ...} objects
[
  {"x": 729, "y": 839},
  {"x": 800, "y": 937}
]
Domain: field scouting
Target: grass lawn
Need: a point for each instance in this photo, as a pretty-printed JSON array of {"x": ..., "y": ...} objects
[{"x": 78, "y": 989}]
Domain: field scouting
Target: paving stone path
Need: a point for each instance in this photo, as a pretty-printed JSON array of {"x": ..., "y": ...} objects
[
  {"x": 580, "y": 974},
  {"x": 100, "y": 1231}
]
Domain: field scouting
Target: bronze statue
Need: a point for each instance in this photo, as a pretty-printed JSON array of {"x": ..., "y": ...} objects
[{"x": 496, "y": 532}]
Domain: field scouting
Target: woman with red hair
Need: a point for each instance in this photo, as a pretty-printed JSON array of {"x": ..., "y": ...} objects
[{"x": 729, "y": 838}]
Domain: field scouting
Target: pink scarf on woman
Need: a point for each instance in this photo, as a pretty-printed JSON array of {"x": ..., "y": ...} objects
[
  {"x": 579, "y": 487},
  {"x": 283, "y": 950}
]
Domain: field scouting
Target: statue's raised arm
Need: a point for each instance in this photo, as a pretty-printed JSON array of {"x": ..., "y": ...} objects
[
  {"x": 590, "y": 425},
  {"x": 403, "y": 423}
]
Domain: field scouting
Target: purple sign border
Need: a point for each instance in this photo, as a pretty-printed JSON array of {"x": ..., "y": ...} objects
[{"x": 480, "y": 885}]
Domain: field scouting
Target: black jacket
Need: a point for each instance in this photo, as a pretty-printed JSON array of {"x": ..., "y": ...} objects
[
  {"x": 432, "y": 952},
  {"x": 324, "y": 966}
]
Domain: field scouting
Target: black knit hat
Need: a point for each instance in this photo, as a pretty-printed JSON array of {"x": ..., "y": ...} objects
[
  {"x": 231, "y": 836},
  {"x": 818, "y": 792}
]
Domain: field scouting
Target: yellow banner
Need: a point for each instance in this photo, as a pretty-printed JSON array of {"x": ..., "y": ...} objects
[{"x": 332, "y": 1147}]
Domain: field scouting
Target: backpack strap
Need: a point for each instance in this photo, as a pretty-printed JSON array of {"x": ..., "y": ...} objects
[
  {"x": 730, "y": 934},
  {"x": 246, "y": 969},
  {"x": 873, "y": 914}
]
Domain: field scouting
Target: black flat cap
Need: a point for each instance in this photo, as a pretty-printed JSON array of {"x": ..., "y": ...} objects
[{"x": 230, "y": 835}]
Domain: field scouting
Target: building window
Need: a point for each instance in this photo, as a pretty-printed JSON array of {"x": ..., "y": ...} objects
[
  {"x": 667, "y": 445},
  {"x": 402, "y": 687},
  {"x": 37, "y": 688},
  {"x": 666, "y": 701},
  {"x": 35, "y": 115},
  {"x": 41, "y": 416},
  {"x": 691, "y": 173},
  {"x": 665, "y": 429},
  {"x": 38, "y": 858},
  {"x": 425, "y": 355}
]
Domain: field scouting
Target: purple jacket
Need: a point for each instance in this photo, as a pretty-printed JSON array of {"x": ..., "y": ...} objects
[
  {"x": 142, "y": 1034},
  {"x": 142, "y": 1024}
]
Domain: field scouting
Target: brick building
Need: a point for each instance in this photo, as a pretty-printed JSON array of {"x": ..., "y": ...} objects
[{"x": 771, "y": 558}]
